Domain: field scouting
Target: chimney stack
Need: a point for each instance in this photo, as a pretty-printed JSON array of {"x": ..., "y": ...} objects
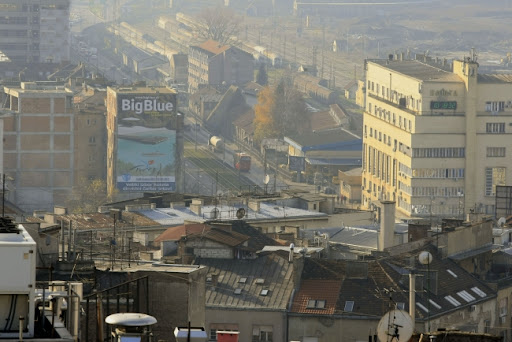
[
  {"x": 196, "y": 205},
  {"x": 387, "y": 225}
]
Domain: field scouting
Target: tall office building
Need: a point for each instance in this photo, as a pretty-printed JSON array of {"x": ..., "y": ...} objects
[
  {"x": 437, "y": 137},
  {"x": 34, "y": 31}
]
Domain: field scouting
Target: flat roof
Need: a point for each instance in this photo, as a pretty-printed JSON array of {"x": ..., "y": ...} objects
[
  {"x": 143, "y": 90},
  {"x": 418, "y": 70},
  {"x": 268, "y": 211}
]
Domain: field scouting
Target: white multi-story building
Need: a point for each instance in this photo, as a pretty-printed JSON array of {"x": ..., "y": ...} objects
[{"x": 437, "y": 136}]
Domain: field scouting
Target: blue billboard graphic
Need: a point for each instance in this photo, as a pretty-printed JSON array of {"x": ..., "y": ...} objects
[{"x": 146, "y": 145}]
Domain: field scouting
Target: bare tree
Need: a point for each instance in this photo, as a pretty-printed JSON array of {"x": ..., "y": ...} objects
[{"x": 220, "y": 24}]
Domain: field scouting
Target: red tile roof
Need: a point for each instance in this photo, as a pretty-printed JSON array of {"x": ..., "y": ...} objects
[
  {"x": 317, "y": 289},
  {"x": 175, "y": 233},
  {"x": 229, "y": 238}
]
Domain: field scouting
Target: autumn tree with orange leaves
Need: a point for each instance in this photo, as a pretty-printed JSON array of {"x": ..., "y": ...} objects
[{"x": 280, "y": 111}]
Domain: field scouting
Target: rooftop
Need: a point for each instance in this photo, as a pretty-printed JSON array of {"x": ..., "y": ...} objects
[
  {"x": 337, "y": 139},
  {"x": 177, "y": 216},
  {"x": 418, "y": 70},
  {"x": 143, "y": 90},
  {"x": 262, "y": 283}
]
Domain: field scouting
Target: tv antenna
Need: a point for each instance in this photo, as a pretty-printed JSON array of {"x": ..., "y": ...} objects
[{"x": 395, "y": 326}]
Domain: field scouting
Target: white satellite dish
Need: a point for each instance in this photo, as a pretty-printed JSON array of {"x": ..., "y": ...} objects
[
  {"x": 395, "y": 326},
  {"x": 502, "y": 221},
  {"x": 130, "y": 319},
  {"x": 266, "y": 179},
  {"x": 425, "y": 258}
]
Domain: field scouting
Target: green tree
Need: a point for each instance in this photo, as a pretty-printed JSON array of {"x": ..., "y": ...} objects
[
  {"x": 88, "y": 195},
  {"x": 262, "y": 77}
]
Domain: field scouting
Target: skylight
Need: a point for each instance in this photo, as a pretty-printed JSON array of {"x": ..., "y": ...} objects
[
  {"x": 242, "y": 280},
  {"x": 349, "y": 306},
  {"x": 466, "y": 296},
  {"x": 452, "y": 300},
  {"x": 311, "y": 304},
  {"x": 437, "y": 306},
  {"x": 320, "y": 304},
  {"x": 400, "y": 305},
  {"x": 238, "y": 291},
  {"x": 264, "y": 292},
  {"x": 260, "y": 281},
  {"x": 478, "y": 292},
  {"x": 452, "y": 273},
  {"x": 421, "y": 306}
]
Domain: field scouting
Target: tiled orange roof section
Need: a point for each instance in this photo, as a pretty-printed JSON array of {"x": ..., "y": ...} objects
[{"x": 317, "y": 290}]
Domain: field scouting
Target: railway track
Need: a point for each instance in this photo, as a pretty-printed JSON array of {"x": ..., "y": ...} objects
[{"x": 225, "y": 177}]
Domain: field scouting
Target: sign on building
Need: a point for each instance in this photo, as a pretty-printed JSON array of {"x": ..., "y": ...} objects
[{"x": 146, "y": 142}]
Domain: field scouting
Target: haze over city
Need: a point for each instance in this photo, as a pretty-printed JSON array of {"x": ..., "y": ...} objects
[{"x": 256, "y": 170}]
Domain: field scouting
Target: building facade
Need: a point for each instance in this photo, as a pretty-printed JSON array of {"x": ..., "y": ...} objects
[
  {"x": 34, "y": 31},
  {"x": 38, "y": 144},
  {"x": 436, "y": 139},
  {"x": 144, "y": 141},
  {"x": 213, "y": 64}
]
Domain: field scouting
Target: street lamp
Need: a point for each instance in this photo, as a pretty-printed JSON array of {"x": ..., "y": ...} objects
[{"x": 425, "y": 258}]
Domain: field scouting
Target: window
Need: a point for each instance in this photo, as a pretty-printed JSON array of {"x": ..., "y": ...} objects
[
  {"x": 495, "y": 106},
  {"x": 264, "y": 292},
  {"x": 213, "y": 334},
  {"x": 495, "y": 127},
  {"x": 315, "y": 304},
  {"x": 349, "y": 306},
  {"x": 92, "y": 140},
  {"x": 238, "y": 291},
  {"x": 262, "y": 333},
  {"x": 495, "y": 151},
  {"x": 493, "y": 176}
]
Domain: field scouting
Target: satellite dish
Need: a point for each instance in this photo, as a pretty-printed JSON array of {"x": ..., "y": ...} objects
[
  {"x": 214, "y": 213},
  {"x": 502, "y": 221},
  {"x": 425, "y": 258},
  {"x": 266, "y": 179},
  {"x": 395, "y": 326},
  {"x": 130, "y": 319},
  {"x": 240, "y": 213}
]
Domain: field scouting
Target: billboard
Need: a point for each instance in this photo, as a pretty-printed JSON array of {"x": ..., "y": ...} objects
[{"x": 146, "y": 142}]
